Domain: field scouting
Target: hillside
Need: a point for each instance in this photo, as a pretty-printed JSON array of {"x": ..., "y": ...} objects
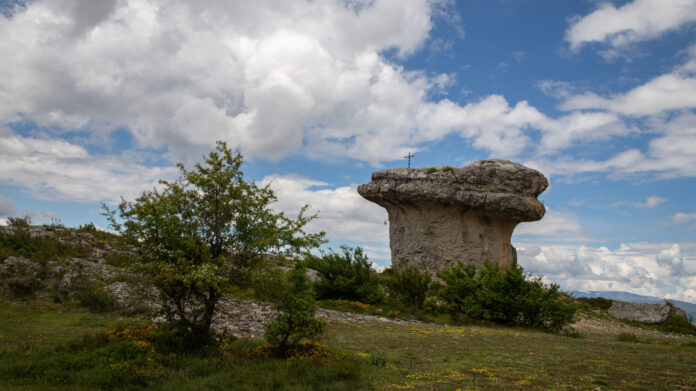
[{"x": 73, "y": 318}]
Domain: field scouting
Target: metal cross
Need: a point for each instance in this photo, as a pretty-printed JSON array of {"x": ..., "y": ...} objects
[{"x": 409, "y": 159}]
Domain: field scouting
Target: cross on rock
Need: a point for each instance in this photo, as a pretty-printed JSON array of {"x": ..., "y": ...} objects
[{"x": 409, "y": 159}]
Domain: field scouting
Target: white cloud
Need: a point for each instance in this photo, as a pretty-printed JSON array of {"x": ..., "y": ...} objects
[
  {"x": 650, "y": 202},
  {"x": 671, "y": 91},
  {"x": 58, "y": 170},
  {"x": 669, "y": 155},
  {"x": 42, "y": 217},
  {"x": 7, "y": 208},
  {"x": 377, "y": 268},
  {"x": 634, "y": 21},
  {"x": 561, "y": 225},
  {"x": 656, "y": 269},
  {"x": 269, "y": 78},
  {"x": 343, "y": 214},
  {"x": 683, "y": 218}
]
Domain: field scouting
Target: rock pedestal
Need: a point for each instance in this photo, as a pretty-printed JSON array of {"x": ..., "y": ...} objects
[{"x": 442, "y": 215}]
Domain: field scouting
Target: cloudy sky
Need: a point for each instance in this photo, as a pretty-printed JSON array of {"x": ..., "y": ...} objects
[{"x": 100, "y": 98}]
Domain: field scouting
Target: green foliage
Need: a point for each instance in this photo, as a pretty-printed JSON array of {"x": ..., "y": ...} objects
[
  {"x": 95, "y": 298},
  {"x": 90, "y": 228},
  {"x": 198, "y": 234},
  {"x": 21, "y": 287},
  {"x": 21, "y": 222},
  {"x": 269, "y": 284},
  {"x": 678, "y": 324},
  {"x": 595, "y": 302},
  {"x": 377, "y": 359},
  {"x": 408, "y": 285},
  {"x": 19, "y": 243},
  {"x": 505, "y": 295},
  {"x": 346, "y": 276},
  {"x": 627, "y": 337},
  {"x": 459, "y": 292},
  {"x": 296, "y": 320}
]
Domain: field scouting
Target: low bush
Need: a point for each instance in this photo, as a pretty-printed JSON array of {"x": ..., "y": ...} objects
[
  {"x": 129, "y": 357},
  {"x": 505, "y": 295},
  {"x": 21, "y": 287},
  {"x": 95, "y": 298},
  {"x": 21, "y": 222},
  {"x": 346, "y": 275},
  {"x": 626, "y": 337},
  {"x": 678, "y": 324},
  {"x": 408, "y": 285},
  {"x": 18, "y": 242},
  {"x": 595, "y": 302}
]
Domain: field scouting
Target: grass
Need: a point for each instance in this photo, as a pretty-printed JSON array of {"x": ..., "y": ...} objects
[
  {"x": 484, "y": 358},
  {"x": 37, "y": 324},
  {"x": 46, "y": 347}
]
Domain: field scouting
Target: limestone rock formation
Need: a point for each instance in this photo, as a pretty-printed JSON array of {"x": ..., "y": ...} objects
[
  {"x": 442, "y": 215},
  {"x": 644, "y": 312}
]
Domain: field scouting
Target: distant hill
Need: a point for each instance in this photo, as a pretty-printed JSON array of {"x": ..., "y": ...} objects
[{"x": 689, "y": 308}]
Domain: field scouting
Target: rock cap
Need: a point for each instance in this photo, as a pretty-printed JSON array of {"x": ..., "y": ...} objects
[{"x": 497, "y": 187}]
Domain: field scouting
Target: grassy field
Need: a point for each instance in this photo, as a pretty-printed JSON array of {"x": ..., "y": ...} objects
[
  {"x": 44, "y": 347},
  {"x": 482, "y": 358}
]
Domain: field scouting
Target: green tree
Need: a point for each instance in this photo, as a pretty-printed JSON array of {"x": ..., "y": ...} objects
[
  {"x": 296, "y": 319},
  {"x": 198, "y": 234}
]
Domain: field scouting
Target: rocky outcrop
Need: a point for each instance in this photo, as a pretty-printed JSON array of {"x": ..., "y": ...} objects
[
  {"x": 442, "y": 215},
  {"x": 644, "y": 312}
]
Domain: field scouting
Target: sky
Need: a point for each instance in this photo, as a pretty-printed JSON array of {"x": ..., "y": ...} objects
[{"x": 101, "y": 98}]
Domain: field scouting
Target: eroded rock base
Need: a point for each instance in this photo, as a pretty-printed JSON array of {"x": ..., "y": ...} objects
[{"x": 434, "y": 237}]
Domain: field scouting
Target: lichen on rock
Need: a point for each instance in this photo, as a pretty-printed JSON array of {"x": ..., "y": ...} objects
[{"x": 442, "y": 215}]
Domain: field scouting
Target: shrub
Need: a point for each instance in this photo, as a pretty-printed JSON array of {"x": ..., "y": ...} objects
[
  {"x": 95, "y": 298},
  {"x": 296, "y": 320},
  {"x": 596, "y": 302},
  {"x": 21, "y": 222},
  {"x": 505, "y": 295},
  {"x": 626, "y": 337},
  {"x": 90, "y": 228},
  {"x": 197, "y": 233},
  {"x": 21, "y": 287},
  {"x": 408, "y": 285},
  {"x": 459, "y": 290},
  {"x": 346, "y": 276},
  {"x": 678, "y": 324},
  {"x": 19, "y": 243}
]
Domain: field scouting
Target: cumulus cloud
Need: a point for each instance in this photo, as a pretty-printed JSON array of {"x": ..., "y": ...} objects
[
  {"x": 7, "y": 208},
  {"x": 343, "y": 214},
  {"x": 669, "y": 155},
  {"x": 59, "y": 170},
  {"x": 650, "y": 202},
  {"x": 635, "y": 21},
  {"x": 672, "y": 91},
  {"x": 656, "y": 269},
  {"x": 269, "y": 78},
  {"x": 561, "y": 225}
]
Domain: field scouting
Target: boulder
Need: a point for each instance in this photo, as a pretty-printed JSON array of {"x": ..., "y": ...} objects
[
  {"x": 442, "y": 215},
  {"x": 644, "y": 312}
]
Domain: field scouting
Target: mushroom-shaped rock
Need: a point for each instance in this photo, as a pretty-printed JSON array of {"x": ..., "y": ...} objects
[{"x": 442, "y": 215}]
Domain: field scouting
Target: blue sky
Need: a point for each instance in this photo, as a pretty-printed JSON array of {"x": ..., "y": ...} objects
[{"x": 99, "y": 99}]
